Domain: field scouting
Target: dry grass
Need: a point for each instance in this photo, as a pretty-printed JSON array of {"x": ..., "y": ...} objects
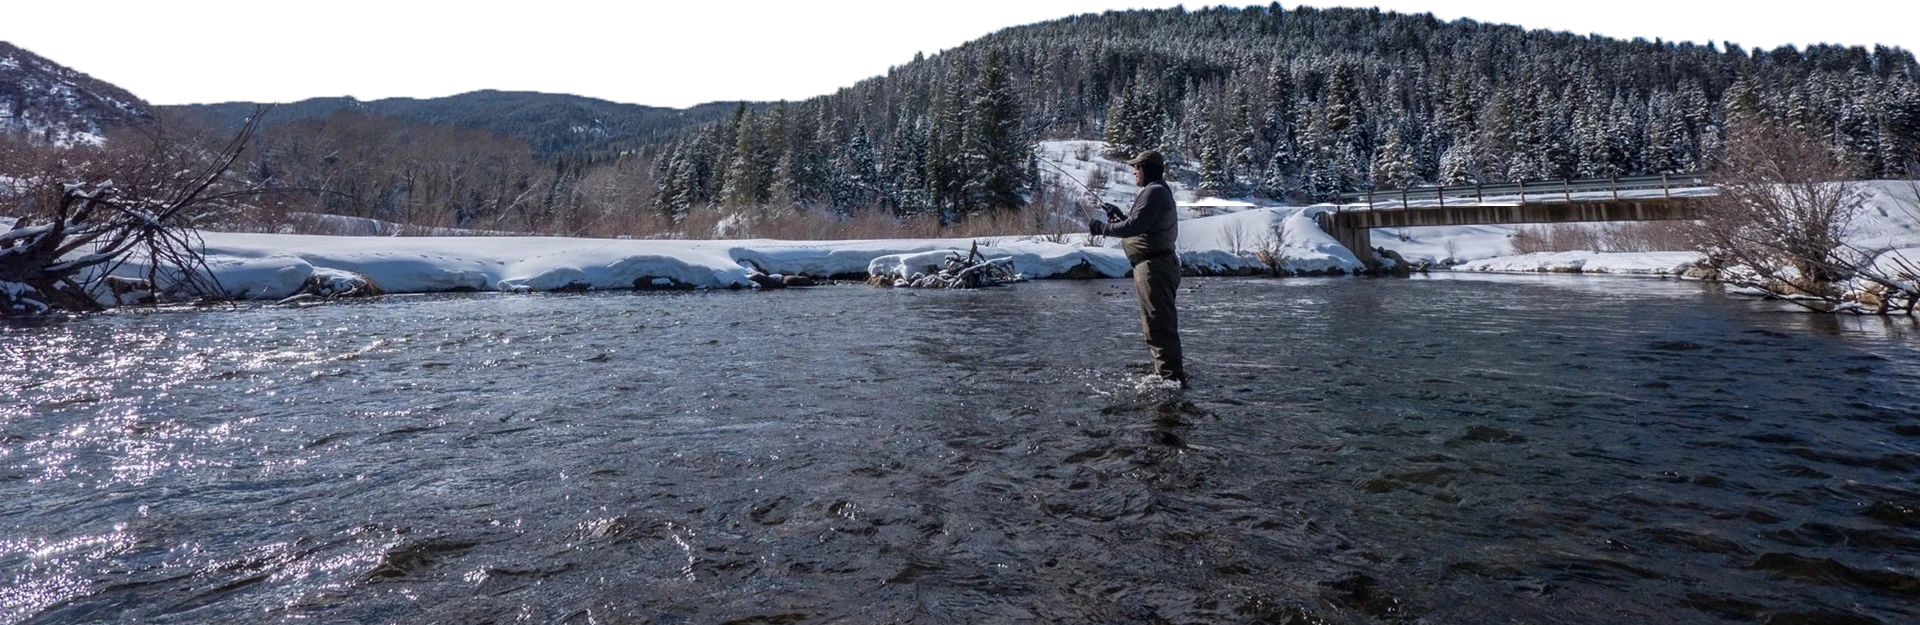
[{"x": 1652, "y": 236}]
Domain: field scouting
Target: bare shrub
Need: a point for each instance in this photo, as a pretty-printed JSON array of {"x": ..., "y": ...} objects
[
  {"x": 1237, "y": 235},
  {"x": 1650, "y": 236},
  {"x": 1272, "y": 248},
  {"x": 1783, "y": 207},
  {"x": 1529, "y": 240}
]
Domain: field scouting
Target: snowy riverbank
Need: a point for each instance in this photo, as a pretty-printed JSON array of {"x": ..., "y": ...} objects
[
  {"x": 274, "y": 266},
  {"x": 1615, "y": 263}
]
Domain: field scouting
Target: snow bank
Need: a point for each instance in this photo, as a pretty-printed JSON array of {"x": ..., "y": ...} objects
[
  {"x": 1236, "y": 242},
  {"x": 274, "y": 266},
  {"x": 1621, "y": 263}
]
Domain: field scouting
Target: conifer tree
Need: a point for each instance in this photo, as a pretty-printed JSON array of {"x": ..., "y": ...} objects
[{"x": 996, "y": 147}]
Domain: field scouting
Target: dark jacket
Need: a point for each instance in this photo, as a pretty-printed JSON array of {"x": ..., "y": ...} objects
[{"x": 1152, "y": 226}]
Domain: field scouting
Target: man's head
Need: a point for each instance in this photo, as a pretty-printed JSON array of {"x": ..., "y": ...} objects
[{"x": 1148, "y": 167}]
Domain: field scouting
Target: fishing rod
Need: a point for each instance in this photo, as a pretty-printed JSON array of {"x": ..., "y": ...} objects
[{"x": 1113, "y": 212}]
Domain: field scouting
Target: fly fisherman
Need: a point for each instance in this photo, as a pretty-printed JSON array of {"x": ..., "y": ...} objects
[{"x": 1150, "y": 230}]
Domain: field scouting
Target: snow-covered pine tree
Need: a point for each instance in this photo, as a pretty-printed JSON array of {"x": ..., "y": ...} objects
[
  {"x": 855, "y": 179},
  {"x": 1243, "y": 142},
  {"x": 1277, "y": 125},
  {"x": 1900, "y": 151},
  {"x": 1393, "y": 166},
  {"x": 1458, "y": 164},
  {"x": 1660, "y": 152},
  {"x": 1281, "y": 178},
  {"x": 1119, "y": 130},
  {"x": 1213, "y": 167},
  {"x": 751, "y": 169},
  {"x": 782, "y": 190},
  {"x": 996, "y": 147},
  {"x": 1856, "y": 135}
]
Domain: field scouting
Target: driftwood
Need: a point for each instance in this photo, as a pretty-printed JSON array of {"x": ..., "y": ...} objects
[
  {"x": 59, "y": 259},
  {"x": 972, "y": 271}
]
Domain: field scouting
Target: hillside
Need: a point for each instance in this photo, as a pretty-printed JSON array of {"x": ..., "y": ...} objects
[
  {"x": 551, "y": 123},
  {"x": 49, "y": 102}
]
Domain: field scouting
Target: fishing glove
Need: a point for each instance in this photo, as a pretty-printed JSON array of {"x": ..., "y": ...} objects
[
  {"x": 1113, "y": 212},
  {"x": 1096, "y": 227}
]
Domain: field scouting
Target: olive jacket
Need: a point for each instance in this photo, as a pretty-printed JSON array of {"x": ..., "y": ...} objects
[{"x": 1151, "y": 227}]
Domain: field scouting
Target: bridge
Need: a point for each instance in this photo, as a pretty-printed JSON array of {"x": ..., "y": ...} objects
[{"x": 1641, "y": 198}]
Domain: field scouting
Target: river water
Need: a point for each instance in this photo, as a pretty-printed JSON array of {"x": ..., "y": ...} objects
[{"x": 1456, "y": 449}]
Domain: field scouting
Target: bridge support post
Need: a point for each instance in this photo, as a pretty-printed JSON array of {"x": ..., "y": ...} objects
[{"x": 1357, "y": 240}]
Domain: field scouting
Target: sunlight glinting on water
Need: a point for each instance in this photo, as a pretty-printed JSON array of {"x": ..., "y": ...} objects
[{"x": 1353, "y": 451}]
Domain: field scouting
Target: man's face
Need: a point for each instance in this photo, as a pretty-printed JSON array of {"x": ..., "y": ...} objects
[{"x": 1139, "y": 176}]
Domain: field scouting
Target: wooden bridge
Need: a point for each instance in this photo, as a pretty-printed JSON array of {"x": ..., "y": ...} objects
[{"x": 1642, "y": 198}]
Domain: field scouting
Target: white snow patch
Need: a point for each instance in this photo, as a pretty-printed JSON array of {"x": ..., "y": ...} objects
[{"x": 1618, "y": 263}]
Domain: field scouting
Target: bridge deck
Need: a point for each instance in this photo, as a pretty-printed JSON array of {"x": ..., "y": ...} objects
[{"x": 1415, "y": 199}]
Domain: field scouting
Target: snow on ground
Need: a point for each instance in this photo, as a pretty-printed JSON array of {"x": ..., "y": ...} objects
[
  {"x": 1888, "y": 222},
  {"x": 1081, "y": 160},
  {"x": 1621, "y": 263},
  {"x": 274, "y": 266}
]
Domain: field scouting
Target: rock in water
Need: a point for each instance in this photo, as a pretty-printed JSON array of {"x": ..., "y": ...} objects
[{"x": 766, "y": 281}]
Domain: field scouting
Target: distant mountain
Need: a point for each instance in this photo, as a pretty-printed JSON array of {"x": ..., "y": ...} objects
[
  {"x": 51, "y": 102},
  {"x": 551, "y": 123}
]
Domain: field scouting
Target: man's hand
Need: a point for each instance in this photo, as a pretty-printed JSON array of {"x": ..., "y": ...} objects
[
  {"x": 1113, "y": 212},
  {"x": 1096, "y": 227}
]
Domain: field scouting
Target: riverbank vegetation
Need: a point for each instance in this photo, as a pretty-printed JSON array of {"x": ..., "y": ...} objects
[
  {"x": 89, "y": 210},
  {"x": 1780, "y": 225}
]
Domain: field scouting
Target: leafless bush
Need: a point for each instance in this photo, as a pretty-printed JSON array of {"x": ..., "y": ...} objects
[
  {"x": 92, "y": 210},
  {"x": 1272, "y": 248},
  {"x": 1098, "y": 180},
  {"x": 1527, "y": 240},
  {"x": 1778, "y": 222},
  {"x": 1237, "y": 235},
  {"x": 1649, "y": 236}
]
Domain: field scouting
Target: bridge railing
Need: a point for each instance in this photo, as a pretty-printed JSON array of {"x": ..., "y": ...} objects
[{"x": 1526, "y": 191}]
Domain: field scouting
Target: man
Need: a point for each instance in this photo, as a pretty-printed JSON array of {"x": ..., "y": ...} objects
[{"x": 1150, "y": 232}]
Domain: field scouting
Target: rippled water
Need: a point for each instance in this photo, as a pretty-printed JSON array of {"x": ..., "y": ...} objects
[{"x": 1448, "y": 450}]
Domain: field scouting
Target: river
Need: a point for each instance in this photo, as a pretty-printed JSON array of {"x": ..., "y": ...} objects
[{"x": 1455, "y": 449}]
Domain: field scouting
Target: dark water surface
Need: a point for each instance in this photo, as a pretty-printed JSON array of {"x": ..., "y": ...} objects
[{"x": 1447, "y": 450}]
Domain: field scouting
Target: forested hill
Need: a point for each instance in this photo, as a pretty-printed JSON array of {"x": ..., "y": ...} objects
[
  {"x": 46, "y": 101},
  {"x": 1298, "y": 103},
  {"x": 552, "y": 124}
]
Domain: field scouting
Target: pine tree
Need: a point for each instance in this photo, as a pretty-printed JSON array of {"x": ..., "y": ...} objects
[
  {"x": 1661, "y": 150},
  {"x": 1856, "y": 135},
  {"x": 1393, "y": 166},
  {"x": 783, "y": 190},
  {"x": 1243, "y": 137},
  {"x": 1120, "y": 130},
  {"x": 751, "y": 170},
  {"x": 1458, "y": 165},
  {"x": 1213, "y": 168},
  {"x": 1281, "y": 179},
  {"x": 1277, "y": 126},
  {"x": 1900, "y": 127},
  {"x": 946, "y": 157},
  {"x": 669, "y": 196},
  {"x": 996, "y": 148}
]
